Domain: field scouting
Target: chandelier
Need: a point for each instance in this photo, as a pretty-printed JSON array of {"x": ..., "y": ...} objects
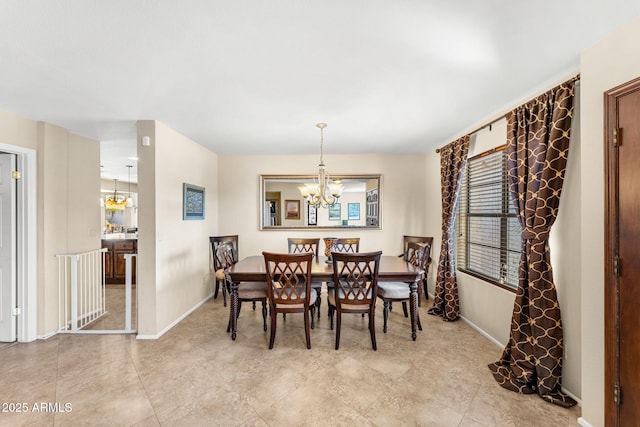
[
  {"x": 115, "y": 202},
  {"x": 324, "y": 191}
]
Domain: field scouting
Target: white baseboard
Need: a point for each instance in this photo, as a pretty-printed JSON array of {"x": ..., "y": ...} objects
[
  {"x": 573, "y": 396},
  {"x": 482, "y": 332},
  {"x": 175, "y": 322},
  {"x": 47, "y": 336},
  {"x": 583, "y": 422}
]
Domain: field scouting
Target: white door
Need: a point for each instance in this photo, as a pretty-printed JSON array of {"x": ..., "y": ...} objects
[{"x": 7, "y": 248}]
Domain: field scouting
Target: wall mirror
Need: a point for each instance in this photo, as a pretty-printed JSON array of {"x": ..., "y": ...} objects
[{"x": 282, "y": 205}]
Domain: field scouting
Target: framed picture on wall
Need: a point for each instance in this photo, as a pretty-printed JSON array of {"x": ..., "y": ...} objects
[
  {"x": 292, "y": 209},
  {"x": 353, "y": 210},
  {"x": 192, "y": 202},
  {"x": 312, "y": 215},
  {"x": 334, "y": 212}
]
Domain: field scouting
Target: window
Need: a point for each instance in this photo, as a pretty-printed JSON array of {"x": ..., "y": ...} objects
[{"x": 488, "y": 244}]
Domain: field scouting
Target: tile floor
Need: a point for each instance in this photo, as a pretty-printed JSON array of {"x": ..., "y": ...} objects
[{"x": 195, "y": 375}]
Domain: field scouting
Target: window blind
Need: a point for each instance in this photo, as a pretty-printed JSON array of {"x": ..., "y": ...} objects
[{"x": 488, "y": 231}]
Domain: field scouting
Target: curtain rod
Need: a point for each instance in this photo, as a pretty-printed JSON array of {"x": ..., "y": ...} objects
[{"x": 488, "y": 123}]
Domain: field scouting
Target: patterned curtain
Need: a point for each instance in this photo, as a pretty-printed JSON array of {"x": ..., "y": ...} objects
[
  {"x": 537, "y": 148},
  {"x": 452, "y": 160}
]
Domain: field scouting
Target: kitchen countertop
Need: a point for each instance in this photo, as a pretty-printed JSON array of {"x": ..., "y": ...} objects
[{"x": 120, "y": 236}]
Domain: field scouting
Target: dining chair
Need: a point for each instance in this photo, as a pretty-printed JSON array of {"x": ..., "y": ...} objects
[
  {"x": 417, "y": 255},
  {"x": 247, "y": 291},
  {"x": 303, "y": 245},
  {"x": 355, "y": 278},
  {"x": 215, "y": 242},
  {"x": 427, "y": 241},
  {"x": 289, "y": 289},
  {"x": 344, "y": 245}
]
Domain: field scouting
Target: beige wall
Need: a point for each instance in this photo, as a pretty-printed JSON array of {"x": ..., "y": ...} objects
[
  {"x": 173, "y": 253},
  {"x": 17, "y": 130},
  {"x": 403, "y": 185},
  {"x": 613, "y": 61},
  {"x": 68, "y": 213}
]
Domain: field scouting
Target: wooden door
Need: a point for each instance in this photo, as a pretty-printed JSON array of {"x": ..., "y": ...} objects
[{"x": 622, "y": 262}]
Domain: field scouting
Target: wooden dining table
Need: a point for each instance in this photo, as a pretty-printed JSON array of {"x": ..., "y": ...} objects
[{"x": 392, "y": 269}]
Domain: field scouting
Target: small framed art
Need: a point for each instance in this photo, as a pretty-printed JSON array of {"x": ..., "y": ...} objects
[
  {"x": 292, "y": 209},
  {"x": 353, "y": 210},
  {"x": 192, "y": 202},
  {"x": 334, "y": 212},
  {"x": 312, "y": 215}
]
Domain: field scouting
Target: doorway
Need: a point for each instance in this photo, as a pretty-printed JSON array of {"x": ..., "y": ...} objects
[
  {"x": 23, "y": 308},
  {"x": 8, "y": 249},
  {"x": 622, "y": 256}
]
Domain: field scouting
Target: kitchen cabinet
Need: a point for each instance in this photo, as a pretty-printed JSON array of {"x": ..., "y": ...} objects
[{"x": 114, "y": 261}]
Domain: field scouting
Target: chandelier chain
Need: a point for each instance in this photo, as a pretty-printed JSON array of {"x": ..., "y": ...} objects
[{"x": 321, "y": 145}]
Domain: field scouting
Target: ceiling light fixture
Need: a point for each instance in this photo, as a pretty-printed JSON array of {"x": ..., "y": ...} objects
[
  {"x": 115, "y": 202},
  {"x": 323, "y": 192}
]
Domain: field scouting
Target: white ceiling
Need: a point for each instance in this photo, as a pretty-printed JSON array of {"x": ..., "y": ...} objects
[{"x": 255, "y": 76}]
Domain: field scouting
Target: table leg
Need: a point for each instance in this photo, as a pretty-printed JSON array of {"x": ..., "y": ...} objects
[
  {"x": 233, "y": 311},
  {"x": 413, "y": 307}
]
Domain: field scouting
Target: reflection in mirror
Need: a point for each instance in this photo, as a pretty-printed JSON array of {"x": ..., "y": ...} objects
[{"x": 282, "y": 206}]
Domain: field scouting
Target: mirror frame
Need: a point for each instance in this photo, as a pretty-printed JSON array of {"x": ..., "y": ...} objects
[{"x": 295, "y": 177}]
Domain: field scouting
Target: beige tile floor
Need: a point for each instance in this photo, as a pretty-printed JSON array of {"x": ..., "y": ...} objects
[
  {"x": 114, "y": 319},
  {"x": 195, "y": 375}
]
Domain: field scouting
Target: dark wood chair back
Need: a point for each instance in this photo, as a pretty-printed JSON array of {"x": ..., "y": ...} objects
[
  {"x": 302, "y": 245},
  {"x": 416, "y": 239},
  {"x": 349, "y": 245},
  {"x": 215, "y": 242},
  {"x": 428, "y": 243},
  {"x": 418, "y": 254},
  {"x": 356, "y": 278},
  {"x": 231, "y": 241}
]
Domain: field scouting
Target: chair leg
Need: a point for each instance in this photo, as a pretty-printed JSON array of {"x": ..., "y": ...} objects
[
  {"x": 224, "y": 293},
  {"x": 264, "y": 315},
  {"x": 274, "y": 317},
  {"x": 385, "y": 315},
  {"x": 318, "y": 304},
  {"x": 372, "y": 328},
  {"x": 215, "y": 292},
  {"x": 332, "y": 310},
  {"x": 254, "y": 306},
  {"x": 230, "y": 314},
  {"x": 312, "y": 310},
  {"x": 404, "y": 308},
  {"x": 338, "y": 324},
  {"x": 307, "y": 332},
  {"x": 328, "y": 305},
  {"x": 418, "y": 319},
  {"x": 426, "y": 292}
]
